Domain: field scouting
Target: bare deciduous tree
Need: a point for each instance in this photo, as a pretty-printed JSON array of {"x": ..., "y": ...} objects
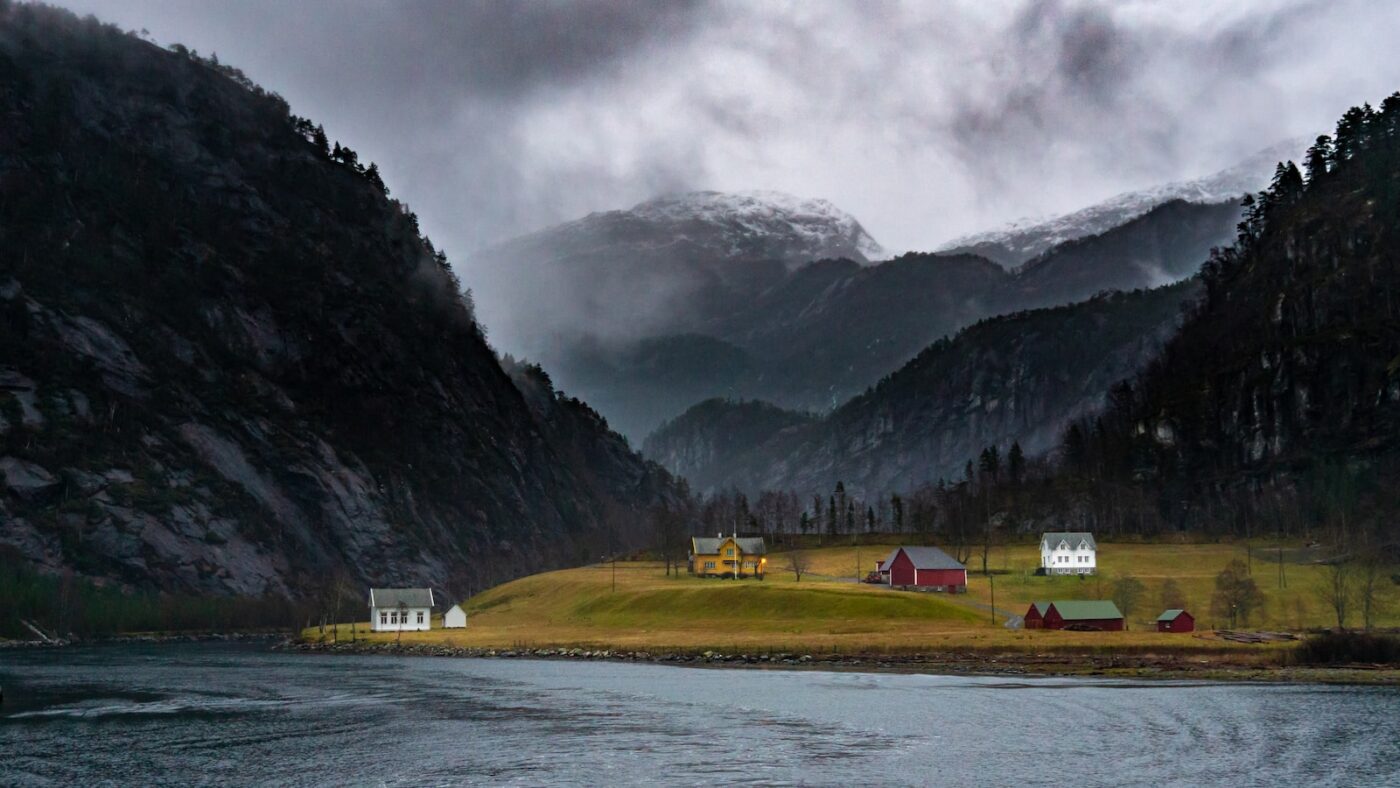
[
  {"x": 798, "y": 563},
  {"x": 1127, "y": 592},
  {"x": 1236, "y": 594},
  {"x": 1171, "y": 597},
  {"x": 1337, "y": 590}
]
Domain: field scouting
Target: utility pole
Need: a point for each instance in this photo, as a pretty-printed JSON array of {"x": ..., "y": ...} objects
[
  {"x": 614, "y": 573},
  {"x": 1282, "y": 582},
  {"x": 993, "y": 580}
]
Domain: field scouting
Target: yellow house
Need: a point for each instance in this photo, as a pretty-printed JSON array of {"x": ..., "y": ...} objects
[{"x": 723, "y": 556}]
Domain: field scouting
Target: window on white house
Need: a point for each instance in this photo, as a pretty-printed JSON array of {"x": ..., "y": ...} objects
[
  {"x": 383, "y": 617},
  {"x": 394, "y": 617},
  {"x": 420, "y": 616}
]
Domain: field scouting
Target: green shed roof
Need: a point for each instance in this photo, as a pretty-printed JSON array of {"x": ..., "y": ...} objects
[
  {"x": 1041, "y": 607},
  {"x": 1170, "y": 615},
  {"x": 1086, "y": 609}
]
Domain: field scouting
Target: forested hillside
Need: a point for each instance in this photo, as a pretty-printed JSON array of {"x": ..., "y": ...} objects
[
  {"x": 1018, "y": 378},
  {"x": 231, "y": 364},
  {"x": 1277, "y": 406}
]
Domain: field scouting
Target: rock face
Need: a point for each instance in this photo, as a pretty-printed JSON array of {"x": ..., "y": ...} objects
[
  {"x": 230, "y": 364},
  {"x": 1022, "y": 378}
]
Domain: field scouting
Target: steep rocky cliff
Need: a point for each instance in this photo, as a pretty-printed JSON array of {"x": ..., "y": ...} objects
[
  {"x": 1021, "y": 377},
  {"x": 230, "y": 364}
]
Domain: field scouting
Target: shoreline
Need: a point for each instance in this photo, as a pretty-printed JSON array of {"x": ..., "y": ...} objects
[
  {"x": 153, "y": 638},
  {"x": 952, "y": 663}
]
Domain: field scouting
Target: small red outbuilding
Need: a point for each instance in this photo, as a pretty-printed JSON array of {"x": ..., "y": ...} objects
[
  {"x": 1176, "y": 620},
  {"x": 926, "y": 568}
]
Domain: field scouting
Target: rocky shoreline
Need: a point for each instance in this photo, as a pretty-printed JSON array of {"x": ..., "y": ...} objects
[{"x": 1079, "y": 665}]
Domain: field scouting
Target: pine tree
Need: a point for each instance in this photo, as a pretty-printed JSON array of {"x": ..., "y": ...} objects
[
  {"x": 1317, "y": 159},
  {"x": 1015, "y": 463}
]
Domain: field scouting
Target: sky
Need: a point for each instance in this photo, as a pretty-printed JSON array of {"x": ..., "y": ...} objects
[{"x": 926, "y": 120}]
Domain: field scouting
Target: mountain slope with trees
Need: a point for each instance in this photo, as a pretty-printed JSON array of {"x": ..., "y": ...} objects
[
  {"x": 1277, "y": 406},
  {"x": 231, "y": 364},
  {"x": 1018, "y": 378}
]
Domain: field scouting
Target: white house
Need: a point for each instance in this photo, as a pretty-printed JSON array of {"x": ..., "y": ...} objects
[
  {"x": 1068, "y": 553},
  {"x": 400, "y": 609},
  {"x": 455, "y": 618}
]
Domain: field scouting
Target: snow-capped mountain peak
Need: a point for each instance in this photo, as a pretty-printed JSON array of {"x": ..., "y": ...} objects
[
  {"x": 1024, "y": 239},
  {"x": 800, "y": 228}
]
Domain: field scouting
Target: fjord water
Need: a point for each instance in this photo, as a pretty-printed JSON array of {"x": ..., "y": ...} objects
[{"x": 246, "y": 715}]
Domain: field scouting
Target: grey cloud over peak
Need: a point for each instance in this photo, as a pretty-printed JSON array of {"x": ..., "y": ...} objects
[{"x": 926, "y": 121}]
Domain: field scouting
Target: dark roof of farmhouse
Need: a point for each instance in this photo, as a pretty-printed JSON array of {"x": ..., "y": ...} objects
[
  {"x": 709, "y": 545},
  {"x": 1073, "y": 537},
  {"x": 931, "y": 558},
  {"x": 395, "y": 597}
]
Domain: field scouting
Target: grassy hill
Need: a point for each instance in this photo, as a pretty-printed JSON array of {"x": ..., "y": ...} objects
[{"x": 637, "y": 606}]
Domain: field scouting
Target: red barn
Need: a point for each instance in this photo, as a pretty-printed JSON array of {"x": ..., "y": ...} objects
[
  {"x": 1035, "y": 616},
  {"x": 927, "y": 568},
  {"x": 1099, "y": 614},
  {"x": 1176, "y": 620}
]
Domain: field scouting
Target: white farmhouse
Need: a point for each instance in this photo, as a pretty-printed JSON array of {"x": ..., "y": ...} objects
[
  {"x": 400, "y": 609},
  {"x": 455, "y": 618},
  {"x": 1068, "y": 553}
]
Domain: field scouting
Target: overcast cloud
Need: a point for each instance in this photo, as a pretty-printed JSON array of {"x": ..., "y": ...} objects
[{"x": 924, "y": 120}]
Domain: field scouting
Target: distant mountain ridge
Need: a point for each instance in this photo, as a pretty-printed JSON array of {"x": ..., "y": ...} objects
[
  {"x": 1019, "y": 377},
  {"x": 647, "y": 311},
  {"x": 1026, "y": 239}
]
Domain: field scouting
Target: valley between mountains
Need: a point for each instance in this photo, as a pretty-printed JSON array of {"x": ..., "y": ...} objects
[{"x": 233, "y": 366}]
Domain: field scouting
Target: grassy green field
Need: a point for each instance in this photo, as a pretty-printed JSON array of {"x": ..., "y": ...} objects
[
  {"x": 1295, "y": 601},
  {"x": 827, "y": 612}
]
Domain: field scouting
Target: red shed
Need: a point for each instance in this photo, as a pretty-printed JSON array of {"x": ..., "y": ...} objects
[
  {"x": 1176, "y": 620},
  {"x": 926, "y": 567},
  {"x": 1035, "y": 616},
  {"x": 1099, "y": 614}
]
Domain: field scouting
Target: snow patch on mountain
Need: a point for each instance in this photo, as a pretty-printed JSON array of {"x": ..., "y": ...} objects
[
  {"x": 805, "y": 227},
  {"x": 1024, "y": 239}
]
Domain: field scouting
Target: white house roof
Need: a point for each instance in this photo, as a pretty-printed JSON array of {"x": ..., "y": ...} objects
[
  {"x": 406, "y": 597},
  {"x": 1072, "y": 537}
]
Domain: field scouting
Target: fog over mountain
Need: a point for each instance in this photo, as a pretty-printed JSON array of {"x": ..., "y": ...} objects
[{"x": 926, "y": 122}]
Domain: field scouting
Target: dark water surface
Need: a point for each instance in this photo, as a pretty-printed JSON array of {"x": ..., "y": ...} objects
[{"x": 243, "y": 715}]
